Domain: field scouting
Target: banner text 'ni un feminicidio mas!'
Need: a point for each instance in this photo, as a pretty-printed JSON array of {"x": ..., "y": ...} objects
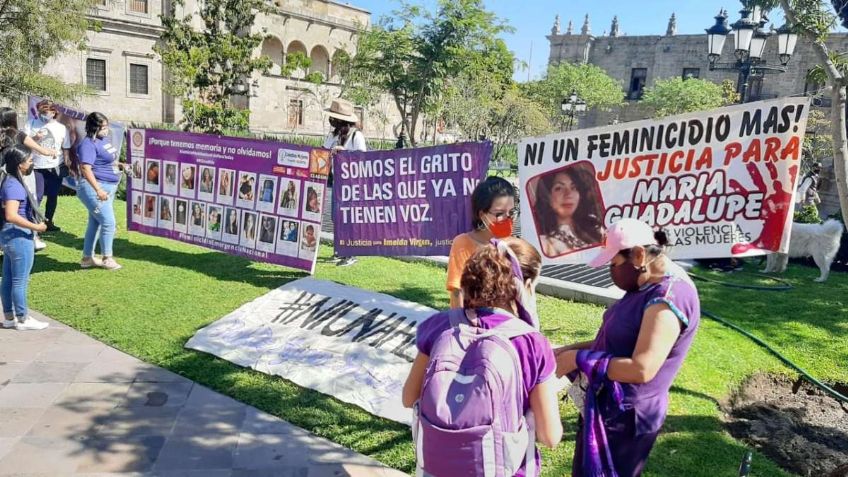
[{"x": 721, "y": 183}]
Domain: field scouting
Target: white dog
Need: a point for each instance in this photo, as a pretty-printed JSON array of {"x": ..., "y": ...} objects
[{"x": 820, "y": 241}]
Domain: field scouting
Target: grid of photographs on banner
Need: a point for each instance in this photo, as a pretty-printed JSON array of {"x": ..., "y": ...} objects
[{"x": 273, "y": 214}]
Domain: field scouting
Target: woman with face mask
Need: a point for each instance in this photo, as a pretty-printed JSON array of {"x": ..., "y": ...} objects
[
  {"x": 20, "y": 222},
  {"x": 97, "y": 190},
  {"x": 343, "y": 137},
  {"x": 627, "y": 370},
  {"x": 52, "y": 134},
  {"x": 492, "y": 209}
]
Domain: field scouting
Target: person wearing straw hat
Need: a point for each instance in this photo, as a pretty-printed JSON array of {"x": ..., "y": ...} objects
[
  {"x": 628, "y": 369},
  {"x": 344, "y": 137}
]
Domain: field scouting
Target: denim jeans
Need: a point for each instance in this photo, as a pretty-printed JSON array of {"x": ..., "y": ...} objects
[
  {"x": 101, "y": 217},
  {"x": 18, "y": 255},
  {"x": 47, "y": 184}
]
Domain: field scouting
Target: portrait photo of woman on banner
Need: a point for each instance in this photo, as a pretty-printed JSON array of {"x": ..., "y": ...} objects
[{"x": 568, "y": 209}]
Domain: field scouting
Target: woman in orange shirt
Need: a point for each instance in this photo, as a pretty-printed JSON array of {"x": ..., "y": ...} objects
[{"x": 493, "y": 208}]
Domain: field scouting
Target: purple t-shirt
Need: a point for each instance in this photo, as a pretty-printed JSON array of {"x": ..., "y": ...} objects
[
  {"x": 100, "y": 155},
  {"x": 535, "y": 353},
  {"x": 12, "y": 189},
  {"x": 620, "y": 331}
]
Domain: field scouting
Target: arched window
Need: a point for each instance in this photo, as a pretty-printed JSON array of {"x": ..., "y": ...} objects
[
  {"x": 340, "y": 57},
  {"x": 294, "y": 48},
  {"x": 320, "y": 61},
  {"x": 272, "y": 47}
]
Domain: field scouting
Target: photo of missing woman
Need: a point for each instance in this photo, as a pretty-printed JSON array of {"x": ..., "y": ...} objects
[
  {"x": 182, "y": 212},
  {"x": 231, "y": 226},
  {"x": 197, "y": 219},
  {"x": 206, "y": 188},
  {"x": 289, "y": 197},
  {"x": 308, "y": 242},
  {"x": 287, "y": 243},
  {"x": 136, "y": 169},
  {"x": 248, "y": 229},
  {"x": 170, "y": 184},
  {"x": 313, "y": 195},
  {"x": 166, "y": 216},
  {"x": 150, "y": 210},
  {"x": 226, "y": 179},
  {"x": 246, "y": 190},
  {"x": 267, "y": 193},
  {"x": 568, "y": 209},
  {"x": 151, "y": 182},
  {"x": 138, "y": 206},
  {"x": 187, "y": 173},
  {"x": 267, "y": 233},
  {"x": 214, "y": 221}
]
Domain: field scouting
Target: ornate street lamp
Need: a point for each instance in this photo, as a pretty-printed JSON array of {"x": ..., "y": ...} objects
[
  {"x": 573, "y": 106},
  {"x": 750, "y": 38}
]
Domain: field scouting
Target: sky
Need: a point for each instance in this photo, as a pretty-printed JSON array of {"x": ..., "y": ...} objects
[{"x": 533, "y": 19}]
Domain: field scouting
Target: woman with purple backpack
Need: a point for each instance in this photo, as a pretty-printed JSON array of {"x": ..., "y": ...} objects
[
  {"x": 482, "y": 385},
  {"x": 632, "y": 362}
]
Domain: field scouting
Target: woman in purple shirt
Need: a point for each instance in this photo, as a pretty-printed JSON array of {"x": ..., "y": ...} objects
[
  {"x": 97, "y": 187},
  {"x": 632, "y": 362},
  {"x": 490, "y": 290},
  {"x": 20, "y": 219}
]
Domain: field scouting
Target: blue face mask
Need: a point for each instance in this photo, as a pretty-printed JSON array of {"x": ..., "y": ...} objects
[{"x": 44, "y": 117}]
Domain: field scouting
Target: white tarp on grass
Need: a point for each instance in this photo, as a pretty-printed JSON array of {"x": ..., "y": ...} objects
[{"x": 349, "y": 343}]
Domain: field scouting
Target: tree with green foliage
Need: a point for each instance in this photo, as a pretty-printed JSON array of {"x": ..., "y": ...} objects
[
  {"x": 32, "y": 32},
  {"x": 814, "y": 20},
  {"x": 591, "y": 83},
  {"x": 211, "y": 66},
  {"x": 676, "y": 95},
  {"x": 515, "y": 117},
  {"x": 414, "y": 54}
]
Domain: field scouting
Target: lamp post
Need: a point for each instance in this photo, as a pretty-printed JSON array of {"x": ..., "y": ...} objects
[
  {"x": 573, "y": 106},
  {"x": 749, "y": 47}
]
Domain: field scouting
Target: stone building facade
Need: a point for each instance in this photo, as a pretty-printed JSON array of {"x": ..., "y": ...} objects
[
  {"x": 127, "y": 76},
  {"x": 638, "y": 61}
]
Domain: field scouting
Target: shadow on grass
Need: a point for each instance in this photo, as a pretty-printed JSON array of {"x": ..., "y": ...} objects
[{"x": 217, "y": 265}]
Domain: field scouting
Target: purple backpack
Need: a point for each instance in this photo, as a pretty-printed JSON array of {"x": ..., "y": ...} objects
[{"x": 469, "y": 420}]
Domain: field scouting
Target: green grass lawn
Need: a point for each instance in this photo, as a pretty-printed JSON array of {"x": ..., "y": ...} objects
[{"x": 168, "y": 290}]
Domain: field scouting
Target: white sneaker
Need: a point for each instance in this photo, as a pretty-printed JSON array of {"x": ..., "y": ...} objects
[
  {"x": 109, "y": 263},
  {"x": 39, "y": 244},
  {"x": 9, "y": 324},
  {"x": 90, "y": 262},
  {"x": 30, "y": 323}
]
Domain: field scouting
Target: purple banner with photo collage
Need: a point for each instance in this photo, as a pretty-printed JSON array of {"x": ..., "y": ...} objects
[
  {"x": 405, "y": 201},
  {"x": 256, "y": 199}
]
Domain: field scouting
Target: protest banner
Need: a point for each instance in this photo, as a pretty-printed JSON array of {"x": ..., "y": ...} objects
[
  {"x": 405, "y": 201},
  {"x": 252, "y": 198},
  {"x": 355, "y": 345},
  {"x": 74, "y": 121},
  {"x": 721, "y": 183}
]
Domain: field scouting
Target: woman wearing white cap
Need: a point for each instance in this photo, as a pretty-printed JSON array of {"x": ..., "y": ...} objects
[
  {"x": 344, "y": 137},
  {"x": 632, "y": 362}
]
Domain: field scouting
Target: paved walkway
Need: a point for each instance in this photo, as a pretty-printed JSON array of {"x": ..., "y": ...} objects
[{"x": 72, "y": 406}]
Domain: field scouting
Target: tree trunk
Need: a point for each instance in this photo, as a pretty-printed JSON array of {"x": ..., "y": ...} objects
[
  {"x": 840, "y": 146},
  {"x": 839, "y": 96}
]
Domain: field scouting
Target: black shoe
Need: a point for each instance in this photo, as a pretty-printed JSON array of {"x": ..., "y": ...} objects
[
  {"x": 51, "y": 227},
  {"x": 347, "y": 261}
]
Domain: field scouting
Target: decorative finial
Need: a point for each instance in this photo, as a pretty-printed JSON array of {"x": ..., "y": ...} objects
[
  {"x": 555, "y": 29},
  {"x": 587, "y": 30},
  {"x": 614, "y": 28},
  {"x": 570, "y": 29},
  {"x": 672, "y": 26}
]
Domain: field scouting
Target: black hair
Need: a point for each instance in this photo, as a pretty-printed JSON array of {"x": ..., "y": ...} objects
[
  {"x": 13, "y": 156},
  {"x": 653, "y": 249},
  {"x": 485, "y": 194},
  {"x": 93, "y": 123},
  {"x": 9, "y": 125},
  {"x": 588, "y": 216},
  {"x": 341, "y": 129}
]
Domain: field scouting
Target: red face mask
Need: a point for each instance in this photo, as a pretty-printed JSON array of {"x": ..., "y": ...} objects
[{"x": 502, "y": 229}]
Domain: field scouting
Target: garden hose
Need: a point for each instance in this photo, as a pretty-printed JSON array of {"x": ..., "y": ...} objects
[{"x": 783, "y": 287}]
